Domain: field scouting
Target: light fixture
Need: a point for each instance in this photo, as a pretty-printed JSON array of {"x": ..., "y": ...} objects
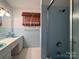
[
  {"x": 7, "y": 14},
  {"x": 1, "y": 14},
  {"x": 4, "y": 12}
]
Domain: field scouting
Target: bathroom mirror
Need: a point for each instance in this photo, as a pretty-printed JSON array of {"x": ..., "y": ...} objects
[{"x": 5, "y": 26}]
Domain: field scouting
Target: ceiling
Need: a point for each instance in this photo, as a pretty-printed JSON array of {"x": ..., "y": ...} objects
[
  {"x": 62, "y": 2},
  {"x": 24, "y": 3},
  {"x": 58, "y": 2},
  {"x": 34, "y": 4}
]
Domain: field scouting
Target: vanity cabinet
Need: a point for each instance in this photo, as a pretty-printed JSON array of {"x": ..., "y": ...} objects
[
  {"x": 7, "y": 55},
  {"x": 17, "y": 46},
  {"x": 13, "y": 47},
  {"x": 20, "y": 43}
]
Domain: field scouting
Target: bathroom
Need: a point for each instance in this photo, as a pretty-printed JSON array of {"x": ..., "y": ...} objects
[
  {"x": 22, "y": 40},
  {"x": 39, "y": 29}
]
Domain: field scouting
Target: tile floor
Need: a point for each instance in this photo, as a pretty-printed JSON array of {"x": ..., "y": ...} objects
[{"x": 28, "y": 53}]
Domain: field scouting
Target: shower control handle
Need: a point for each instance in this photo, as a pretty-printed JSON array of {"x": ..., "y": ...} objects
[{"x": 58, "y": 44}]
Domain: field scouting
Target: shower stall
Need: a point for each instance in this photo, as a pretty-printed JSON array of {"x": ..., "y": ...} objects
[
  {"x": 58, "y": 43},
  {"x": 60, "y": 29}
]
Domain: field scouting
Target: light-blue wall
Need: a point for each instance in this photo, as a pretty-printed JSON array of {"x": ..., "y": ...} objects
[{"x": 31, "y": 36}]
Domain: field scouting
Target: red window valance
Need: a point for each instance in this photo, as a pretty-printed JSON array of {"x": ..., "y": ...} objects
[{"x": 31, "y": 19}]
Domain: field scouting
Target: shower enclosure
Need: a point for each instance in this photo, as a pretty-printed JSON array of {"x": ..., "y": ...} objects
[
  {"x": 60, "y": 29},
  {"x": 58, "y": 41}
]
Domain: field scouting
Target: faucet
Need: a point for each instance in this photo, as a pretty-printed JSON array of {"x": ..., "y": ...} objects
[{"x": 10, "y": 34}]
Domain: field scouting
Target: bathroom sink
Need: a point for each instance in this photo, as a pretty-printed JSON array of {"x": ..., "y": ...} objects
[
  {"x": 14, "y": 36},
  {"x": 2, "y": 45}
]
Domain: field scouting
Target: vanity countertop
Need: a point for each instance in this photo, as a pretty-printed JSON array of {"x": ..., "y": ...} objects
[
  {"x": 8, "y": 41},
  {"x": 8, "y": 46}
]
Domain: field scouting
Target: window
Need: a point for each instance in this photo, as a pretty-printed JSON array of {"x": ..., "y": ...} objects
[{"x": 31, "y": 19}]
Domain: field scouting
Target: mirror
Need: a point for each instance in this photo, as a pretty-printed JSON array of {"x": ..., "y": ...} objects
[{"x": 5, "y": 26}]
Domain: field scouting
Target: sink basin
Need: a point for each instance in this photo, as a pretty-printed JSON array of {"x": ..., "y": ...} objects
[
  {"x": 12, "y": 36},
  {"x": 2, "y": 45}
]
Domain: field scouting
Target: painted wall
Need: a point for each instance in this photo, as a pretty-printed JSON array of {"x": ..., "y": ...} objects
[
  {"x": 6, "y": 21},
  {"x": 31, "y": 34}
]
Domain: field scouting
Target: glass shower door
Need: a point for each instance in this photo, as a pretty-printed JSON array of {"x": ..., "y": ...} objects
[
  {"x": 58, "y": 31},
  {"x": 75, "y": 29}
]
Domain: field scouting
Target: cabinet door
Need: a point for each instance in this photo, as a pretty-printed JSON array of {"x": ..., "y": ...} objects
[
  {"x": 20, "y": 43},
  {"x": 7, "y": 55}
]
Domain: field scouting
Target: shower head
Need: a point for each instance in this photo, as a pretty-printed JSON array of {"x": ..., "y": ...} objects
[{"x": 62, "y": 10}]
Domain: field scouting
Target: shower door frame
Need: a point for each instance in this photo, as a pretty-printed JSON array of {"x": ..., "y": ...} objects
[{"x": 71, "y": 33}]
